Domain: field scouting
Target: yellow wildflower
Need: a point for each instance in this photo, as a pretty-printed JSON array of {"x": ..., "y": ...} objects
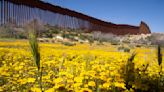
[
  {"x": 121, "y": 85},
  {"x": 36, "y": 90},
  {"x": 85, "y": 90},
  {"x": 91, "y": 83},
  {"x": 31, "y": 79}
]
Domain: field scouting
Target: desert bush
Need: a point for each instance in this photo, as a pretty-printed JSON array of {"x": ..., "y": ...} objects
[
  {"x": 12, "y": 32},
  {"x": 7, "y": 32},
  {"x": 68, "y": 43},
  {"x": 124, "y": 49},
  {"x": 114, "y": 42},
  {"x": 106, "y": 37},
  {"x": 91, "y": 40},
  {"x": 129, "y": 75},
  {"x": 82, "y": 37},
  {"x": 157, "y": 38}
]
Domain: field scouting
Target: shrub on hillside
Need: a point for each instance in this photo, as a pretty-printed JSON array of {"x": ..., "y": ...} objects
[
  {"x": 68, "y": 43},
  {"x": 108, "y": 37},
  {"x": 157, "y": 38},
  {"x": 124, "y": 49},
  {"x": 11, "y": 32}
]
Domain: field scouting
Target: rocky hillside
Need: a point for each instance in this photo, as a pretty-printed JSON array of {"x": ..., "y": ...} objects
[{"x": 55, "y": 34}]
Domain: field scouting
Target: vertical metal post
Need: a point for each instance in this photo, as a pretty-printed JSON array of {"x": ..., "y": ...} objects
[
  {"x": 76, "y": 23},
  {"x": 21, "y": 15},
  {"x": 37, "y": 15},
  {"x": 63, "y": 21},
  {"x": 18, "y": 15},
  {"x": 26, "y": 12},
  {"x": 52, "y": 20},
  {"x": 33, "y": 16},
  {"x": 45, "y": 21},
  {"x": 73, "y": 24},
  {"x": 41, "y": 16},
  {"x": 9, "y": 12},
  {"x": 70, "y": 22},
  {"x": 3, "y": 13},
  {"x": 6, "y": 11},
  {"x": 26, "y": 8},
  {"x": 45, "y": 17},
  {"x": 57, "y": 18},
  {"x": 81, "y": 24},
  {"x": 49, "y": 19},
  {"x": 0, "y": 12},
  {"x": 53, "y": 17},
  {"x": 35, "y": 12},
  {"x": 31, "y": 10},
  {"x": 66, "y": 21},
  {"x": 29, "y": 14},
  {"x": 13, "y": 12}
]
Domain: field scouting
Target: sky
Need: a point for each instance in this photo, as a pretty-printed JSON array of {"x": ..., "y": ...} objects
[{"x": 120, "y": 11}]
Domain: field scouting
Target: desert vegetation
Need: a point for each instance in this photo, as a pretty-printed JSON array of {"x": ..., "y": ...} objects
[
  {"x": 68, "y": 36},
  {"x": 53, "y": 59},
  {"x": 79, "y": 68}
]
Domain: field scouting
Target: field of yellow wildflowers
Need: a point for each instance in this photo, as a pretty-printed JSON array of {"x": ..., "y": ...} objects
[{"x": 80, "y": 68}]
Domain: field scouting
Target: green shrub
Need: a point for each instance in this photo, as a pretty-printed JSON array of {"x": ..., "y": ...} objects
[
  {"x": 68, "y": 43},
  {"x": 113, "y": 42},
  {"x": 10, "y": 32},
  {"x": 82, "y": 37},
  {"x": 124, "y": 49}
]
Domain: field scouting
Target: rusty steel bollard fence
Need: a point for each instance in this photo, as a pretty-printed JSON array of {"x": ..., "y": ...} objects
[{"x": 21, "y": 12}]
